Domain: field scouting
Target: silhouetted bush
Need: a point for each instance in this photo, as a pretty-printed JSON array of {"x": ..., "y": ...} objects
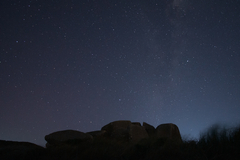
[{"x": 219, "y": 143}]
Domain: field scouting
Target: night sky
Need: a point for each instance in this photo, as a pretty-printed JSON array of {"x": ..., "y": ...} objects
[{"x": 81, "y": 64}]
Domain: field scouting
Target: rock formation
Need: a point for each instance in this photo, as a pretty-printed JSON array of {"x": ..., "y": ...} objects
[
  {"x": 23, "y": 145},
  {"x": 95, "y": 134},
  {"x": 168, "y": 130},
  {"x": 149, "y": 128},
  {"x": 67, "y": 137},
  {"x": 137, "y": 133},
  {"x": 19, "y": 150},
  {"x": 116, "y": 125},
  {"x": 125, "y": 131},
  {"x": 122, "y": 130}
]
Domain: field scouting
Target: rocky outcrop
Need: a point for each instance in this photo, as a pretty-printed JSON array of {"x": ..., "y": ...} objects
[
  {"x": 168, "y": 130},
  {"x": 149, "y": 128},
  {"x": 116, "y": 125},
  {"x": 95, "y": 134},
  {"x": 122, "y": 130},
  {"x": 67, "y": 137},
  {"x": 20, "y": 150},
  {"x": 137, "y": 133},
  {"x": 137, "y": 123},
  {"x": 116, "y": 139},
  {"x": 125, "y": 131},
  {"x": 23, "y": 145}
]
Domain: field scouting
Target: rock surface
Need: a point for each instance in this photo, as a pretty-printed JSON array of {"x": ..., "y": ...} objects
[
  {"x": 137, "y": 133},
  {"x": 125, "y": 131},
  {"x": 122, "y": 131},
  {"x": 149, "y": 128},
  {"x": 97, "y": 133},
  {"x": 168, "y": 130},
  {"x": 67, "y": 137},
  {"x": 20, "y": 150},
  {"x": 116, "y": 125},
  {"x": 23, "y": 145}
]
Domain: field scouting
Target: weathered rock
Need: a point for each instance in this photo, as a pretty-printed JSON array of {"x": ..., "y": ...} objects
[
  {"x": 97, "y": 133},
  {"x": 26, "y": 145},
  {"x": 149, "y": 128},
  {"x": 137, "y": 133},
  {"x": 67, "y": 137},
  {"x": 168, "y": 130},
  {"x": 121, "y": 134},
  {"x": 125, "y": 131},
  {"x": 137, "y": 123},
  {"x": 20, "y": 150},
  {"x": 109, "y": 128}
]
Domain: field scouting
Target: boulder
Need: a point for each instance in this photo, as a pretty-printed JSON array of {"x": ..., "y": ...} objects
[
  {"x": 67, "y": 137},
  {"x": 137, "y": 123},
  {"x": 149, "y": 128},
  {"x": 137, "y": 133},
  {"x": 20, "y": 150},
  {"x": 120, "y": 134},
  {"x": 125, "y": 131},
  {"x": 109, "y": 128},
  {"x": 97, "y": 133},
  {"x": 168, "y": 130},
  {"x": 16, "y": 144}
]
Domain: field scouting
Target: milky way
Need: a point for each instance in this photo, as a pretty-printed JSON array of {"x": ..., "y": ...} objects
[{"x": 80, "y": 65}]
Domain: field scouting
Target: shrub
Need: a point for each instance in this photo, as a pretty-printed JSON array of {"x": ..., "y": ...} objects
[{"x": 218, "y": 142}]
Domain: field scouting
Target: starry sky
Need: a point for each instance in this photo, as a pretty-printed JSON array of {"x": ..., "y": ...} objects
[{"x": 79, "y": 65}]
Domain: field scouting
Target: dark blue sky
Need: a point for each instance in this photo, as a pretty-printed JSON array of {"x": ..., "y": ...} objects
[{"x": 82, "y": 64}]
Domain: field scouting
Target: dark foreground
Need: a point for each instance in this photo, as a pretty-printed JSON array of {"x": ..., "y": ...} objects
[{"x": 216, "y": 144}]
